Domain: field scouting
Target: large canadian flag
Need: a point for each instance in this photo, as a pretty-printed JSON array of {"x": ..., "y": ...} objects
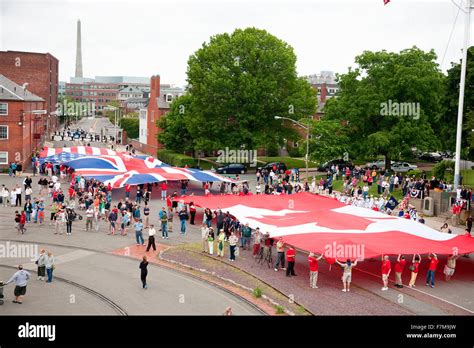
[{"x": 317, "y": 223}]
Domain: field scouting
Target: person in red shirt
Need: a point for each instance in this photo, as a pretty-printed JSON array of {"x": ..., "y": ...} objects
[
  {"x": 386, "y": 269},
  {"x": 399, "y": 266},
  {"x": 163, "y": 190},
  {"x": 22, "y": 223},
  {"x": 430, "y": 275},
  {"x": 127, "y": 191},
  {"x": 290, "y": 258},
  {"x": 169, "y": 203},
  {"x": 72, "y": 193},
  {"x": 313, "y": 269},
  {"x": 415, "y": 266}
]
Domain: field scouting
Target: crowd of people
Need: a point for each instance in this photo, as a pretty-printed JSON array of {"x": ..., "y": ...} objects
[{"x": 221, "y": 233}]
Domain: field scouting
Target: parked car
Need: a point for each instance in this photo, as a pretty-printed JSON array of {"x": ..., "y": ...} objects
[
  {"x": 403, "y": 167},
  {"x": 446, "y": 154},
  {"x": 337, "y": 162},
  {"x": 431, "y": 157},
  {"x": 377, "y": 164},
  {"x": 233, "y": 168},
  {"x": 280, "y": 166}
]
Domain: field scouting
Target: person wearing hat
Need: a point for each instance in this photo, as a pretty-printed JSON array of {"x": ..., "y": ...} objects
[{"x": 20, "y": 278}]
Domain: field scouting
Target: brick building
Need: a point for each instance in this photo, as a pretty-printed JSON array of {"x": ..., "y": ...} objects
[
  {"x": 22, "y": 126},
  {"x": 40, "y": 72},
  {"x": 159, "y": 104}
]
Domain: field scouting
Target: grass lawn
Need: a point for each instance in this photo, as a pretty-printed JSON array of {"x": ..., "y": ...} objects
[
  {"x": 468, "y": 177},
  {"x": 338, "y": 184}
]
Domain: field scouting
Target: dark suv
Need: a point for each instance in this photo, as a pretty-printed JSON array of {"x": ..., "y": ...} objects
[
  {"x": 233, "y": 168},
  {"x": 280, "y": 167}
]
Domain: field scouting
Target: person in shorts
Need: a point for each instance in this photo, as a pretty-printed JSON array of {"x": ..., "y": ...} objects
[
  {"x": 450, "y": 266},
  {"x": 20, "y": 278},
  {"x": 347, "y": 273}
]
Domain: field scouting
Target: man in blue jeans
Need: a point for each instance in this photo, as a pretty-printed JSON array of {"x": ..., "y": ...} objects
[
  {"x": 138, "y": 225},
  {"x": 246, "y": 235},
  {"x": 183, "y": 216},
  {"x": 164, "y": 223},
  {"x": 430, "y": 275}
]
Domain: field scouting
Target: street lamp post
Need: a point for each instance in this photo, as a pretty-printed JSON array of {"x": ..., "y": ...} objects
[
  {"x": 307, "y": 128},
  {"x": 111, "y": 107},
  {"x": 457, "y": 162}
]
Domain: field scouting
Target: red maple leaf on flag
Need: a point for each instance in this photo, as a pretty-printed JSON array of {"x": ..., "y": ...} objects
[{"x": 385, "y": 2}]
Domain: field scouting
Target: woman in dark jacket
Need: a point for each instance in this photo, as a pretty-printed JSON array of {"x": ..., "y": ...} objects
[{"x": 144, "y": 271}]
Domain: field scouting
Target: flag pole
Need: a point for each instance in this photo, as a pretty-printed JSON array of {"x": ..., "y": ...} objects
[{"x": 457, "y": 165}]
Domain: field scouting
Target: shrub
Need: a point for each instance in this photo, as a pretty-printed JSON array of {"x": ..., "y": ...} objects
[
  {"x": 295, "y": 152},
  {"x": 280, "y": 310},
  {"x": 416, "y": 172},
  {"x": 176, "y": 159},
  {"x": 257, "y": 292},
  {"x": 439, "y": 170},
  {"x": 272, "y": 149}
]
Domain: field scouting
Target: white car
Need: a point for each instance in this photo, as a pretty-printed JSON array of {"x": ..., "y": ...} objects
[
  {"x": 377, "y": 164},
  {"x": 403, "y": 167}
]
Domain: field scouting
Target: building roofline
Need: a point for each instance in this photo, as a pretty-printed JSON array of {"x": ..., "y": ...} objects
[{"x": 35, "y": 53}]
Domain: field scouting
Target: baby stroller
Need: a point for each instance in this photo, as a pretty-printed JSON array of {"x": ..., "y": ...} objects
[{"x": 1, "y": 292}]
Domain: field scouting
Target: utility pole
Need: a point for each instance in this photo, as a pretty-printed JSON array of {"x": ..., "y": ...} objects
[{"x": 457, "y": 165}]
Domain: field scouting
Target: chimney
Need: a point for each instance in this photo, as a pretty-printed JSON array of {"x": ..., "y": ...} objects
[
  {"x": 155, "y": 86},
  {"x": 324, "y": 93},
  {"x": 78, "y": 51}
]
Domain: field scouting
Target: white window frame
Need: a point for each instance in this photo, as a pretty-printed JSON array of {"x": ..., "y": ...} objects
[
  {"x": 6, "y": 114},
  {"x": 8, "y": 133},
  {"x": 6, "y": 161}
]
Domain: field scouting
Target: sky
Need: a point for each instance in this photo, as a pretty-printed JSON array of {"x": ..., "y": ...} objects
[{"x": 145, "y": 37}]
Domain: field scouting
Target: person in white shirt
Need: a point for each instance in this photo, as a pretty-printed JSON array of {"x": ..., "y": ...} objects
[
  {"x": 60, "y": 221},
  {"x": 89, "y": 217},
  {"x": 258, "y": 189},
  {"x": 5, "y": 194},
  {"x": 204, "y": 236},
  {"x": 12, "y": 197},
  {"x": 151, "y": 238}
]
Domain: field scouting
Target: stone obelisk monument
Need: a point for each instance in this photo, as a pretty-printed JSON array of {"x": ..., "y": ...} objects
[{"x": 78, "y": 51}]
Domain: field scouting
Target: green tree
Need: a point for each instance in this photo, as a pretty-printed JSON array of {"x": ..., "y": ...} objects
[
  {"x": 174, "y": 125},
  {"x": 329, "y": 140},
  {"x": 237, "y": 83},
  {"x": 110, "y": 114},
  {"x": 381, "y": 81}
]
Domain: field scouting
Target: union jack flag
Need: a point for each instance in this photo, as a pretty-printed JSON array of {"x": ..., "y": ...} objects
[{"x": 125, "y": 169}]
